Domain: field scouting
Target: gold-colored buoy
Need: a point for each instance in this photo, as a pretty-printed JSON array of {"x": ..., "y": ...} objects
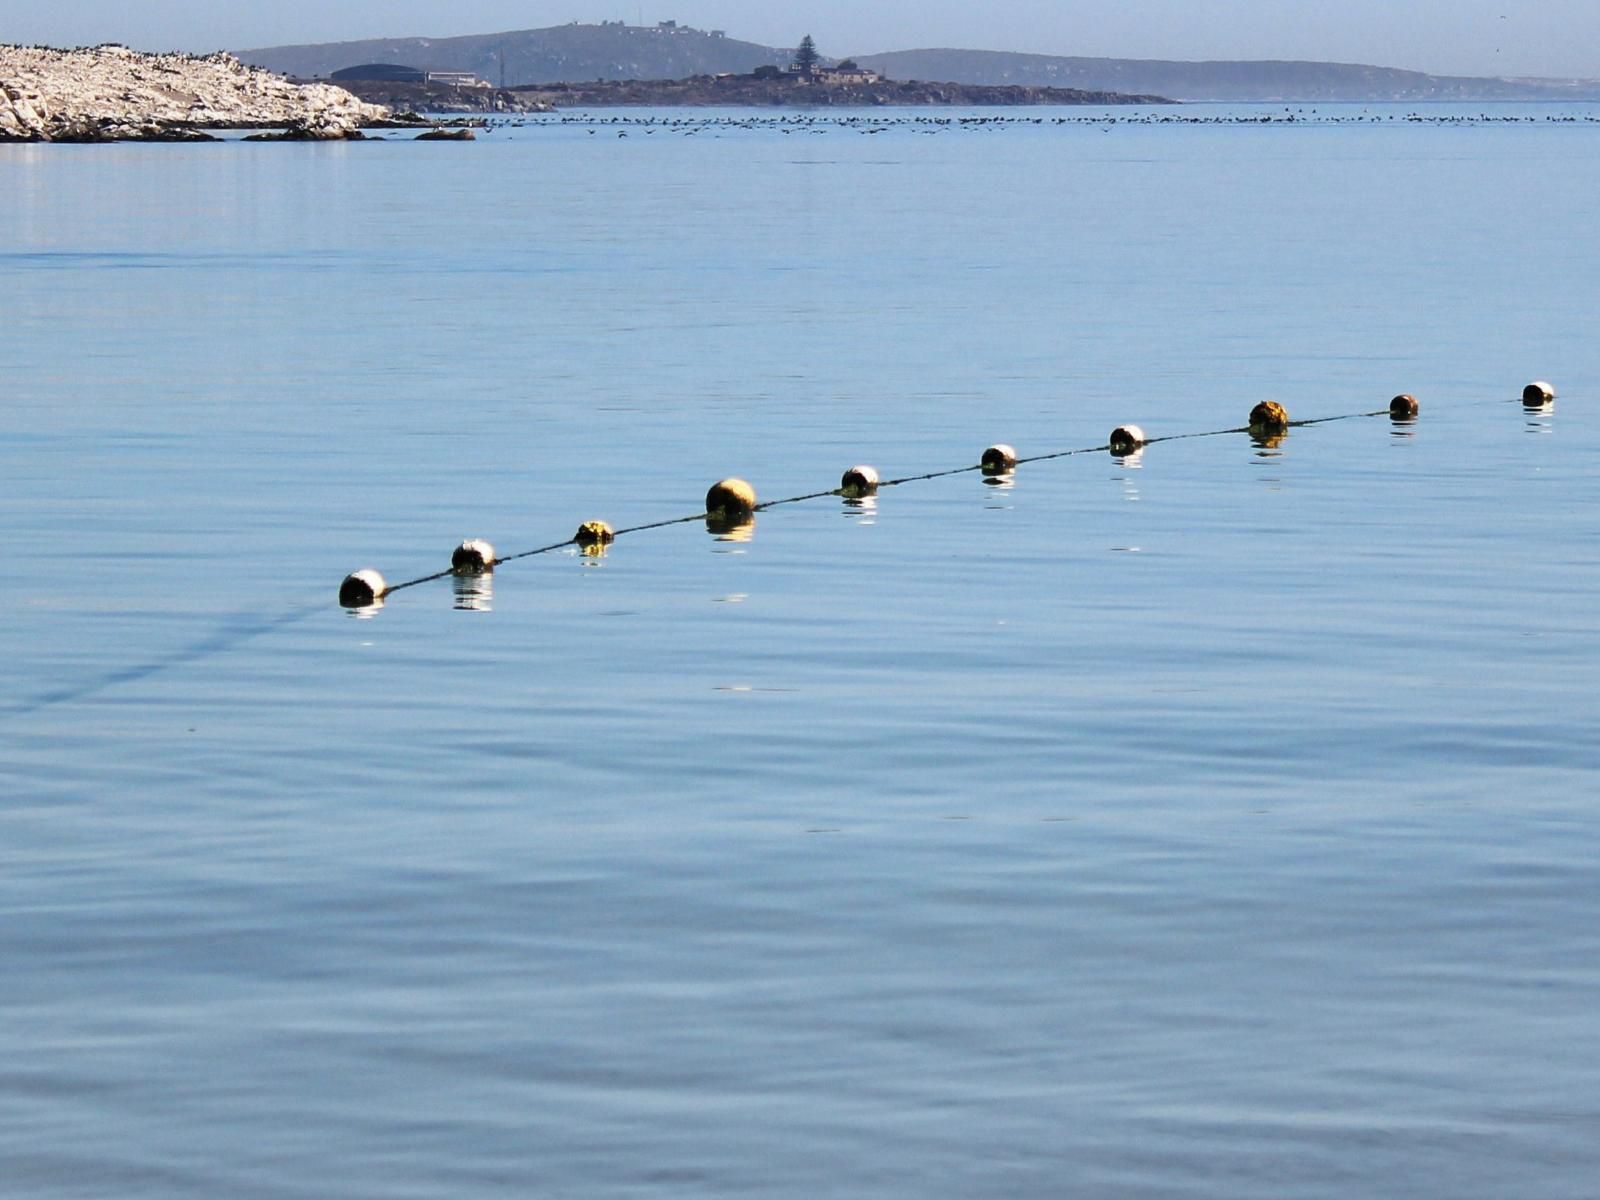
[
  {"x": 731, "y": 499},
  {"x": 474, "y": 554},
  {"x": 1269, "y": 419},
  {"x": 362, "y": 589},
  {"x": 594, "y": 536},
  {"x": 998, "y": 459},
  {"x": 1538, "y": 393},
  {"x": 859, "y": 481},
  {"x": 1125, "y": 439},
  {"x": 1403, "y": 407}
]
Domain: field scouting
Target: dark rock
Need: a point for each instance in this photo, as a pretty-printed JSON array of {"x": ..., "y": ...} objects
[{"x": 301, "y": 131}]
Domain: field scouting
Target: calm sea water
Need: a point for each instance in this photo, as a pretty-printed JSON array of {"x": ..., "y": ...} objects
[{"x": 1217, "y": 824}]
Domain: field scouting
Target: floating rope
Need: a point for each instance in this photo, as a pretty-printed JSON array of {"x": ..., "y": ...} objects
[{"x": 732, "y": 503}]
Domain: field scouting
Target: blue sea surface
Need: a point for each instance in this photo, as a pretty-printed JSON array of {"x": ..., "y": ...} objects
[{"x": 1220, "y": 822}]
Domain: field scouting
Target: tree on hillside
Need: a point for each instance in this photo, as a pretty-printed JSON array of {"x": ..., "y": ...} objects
[{"x": 805, "y": 58}]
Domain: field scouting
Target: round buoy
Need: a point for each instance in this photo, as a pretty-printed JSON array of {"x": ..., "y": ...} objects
[
  {"x": 593, "y": 534},
  {"x": 362, "y": 589},
  {"x": 474, "y": 554},
  {"x": 859, "y": 481},
  {"x": 1403, "y": 407},
  {"x": 1538, "y": 392},
  {"x": 1125, "y": 439},
  {"x": 1269, "y": 419},
  {"x": 998, "y": 459},
  {"x": 731, "y": 498}
]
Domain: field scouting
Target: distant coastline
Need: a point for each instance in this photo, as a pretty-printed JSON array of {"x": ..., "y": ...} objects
[
  {"x": 614, "y": 51},
  {"x": 725, "y": 91}
]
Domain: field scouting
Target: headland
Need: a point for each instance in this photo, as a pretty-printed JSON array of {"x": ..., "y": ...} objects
[{"x": 110, "y": 93}]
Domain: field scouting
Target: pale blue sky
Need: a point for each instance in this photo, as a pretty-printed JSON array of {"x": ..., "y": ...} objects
[{"x": 1477, "y": 37}]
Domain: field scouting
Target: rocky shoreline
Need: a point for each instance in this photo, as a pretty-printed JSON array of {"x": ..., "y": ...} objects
[{"x": 111, "y": 93}]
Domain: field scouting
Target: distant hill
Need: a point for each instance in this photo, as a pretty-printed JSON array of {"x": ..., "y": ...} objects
[
  {"x": 614, "y": 51},
  {"x": 565, "y": 53},
  {"x": 1242, "y": 81}
]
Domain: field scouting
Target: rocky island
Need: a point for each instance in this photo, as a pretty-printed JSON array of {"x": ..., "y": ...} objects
[{"x": 111, "y": 93}]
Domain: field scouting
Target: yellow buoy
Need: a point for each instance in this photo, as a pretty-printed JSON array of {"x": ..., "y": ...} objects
[
  {"x": 1269, "y": 419},
  {"x": 859, "y": 481},
  {"x": 998, "y": 459},
  {"x": 362, "y": 589},
  {"x": 1403, "y": 407},
  {"x": 594, "y": 536},
  {"x": 731, "y": 498},
  {"x": 1125, "y": 439},
  {"x": 1538, "y": 393},
  {"x": 474, "y": 554}
]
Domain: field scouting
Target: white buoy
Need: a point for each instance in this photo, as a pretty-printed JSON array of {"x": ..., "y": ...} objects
[
  {"x": 859, "y": 481},
  {"x": 362, "y": 589},
  {"x": 1538, "y": 392},
  {"x": 998, "y": 459},
  {"x": 1125, "y": 439},
  {"x": 731, "y": 498},
  {"x": 474, "y": 554}
]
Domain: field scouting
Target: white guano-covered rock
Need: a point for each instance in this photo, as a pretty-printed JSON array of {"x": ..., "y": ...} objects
[{"x": 112, "y": 91}]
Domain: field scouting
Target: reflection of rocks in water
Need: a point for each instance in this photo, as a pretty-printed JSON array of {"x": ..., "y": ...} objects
[
  {"x": 474, "y": 591},
  {"x": 724, "y": 528}
]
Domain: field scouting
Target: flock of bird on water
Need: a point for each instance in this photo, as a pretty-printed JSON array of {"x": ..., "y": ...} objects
[{"x": 816, "y": 123}]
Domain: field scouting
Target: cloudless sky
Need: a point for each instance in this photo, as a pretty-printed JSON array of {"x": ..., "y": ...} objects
[{"x": 1463, "y": 37}]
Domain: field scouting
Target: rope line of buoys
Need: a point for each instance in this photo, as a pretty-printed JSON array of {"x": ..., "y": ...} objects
[{"x": 731, "y": 504}]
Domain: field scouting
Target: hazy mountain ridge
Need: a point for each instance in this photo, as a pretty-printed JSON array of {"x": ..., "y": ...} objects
[
  {"x": 1211, "y": 80},
  {"x": 561, "y": 54},
  {"x": 582, "y": 53}
]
